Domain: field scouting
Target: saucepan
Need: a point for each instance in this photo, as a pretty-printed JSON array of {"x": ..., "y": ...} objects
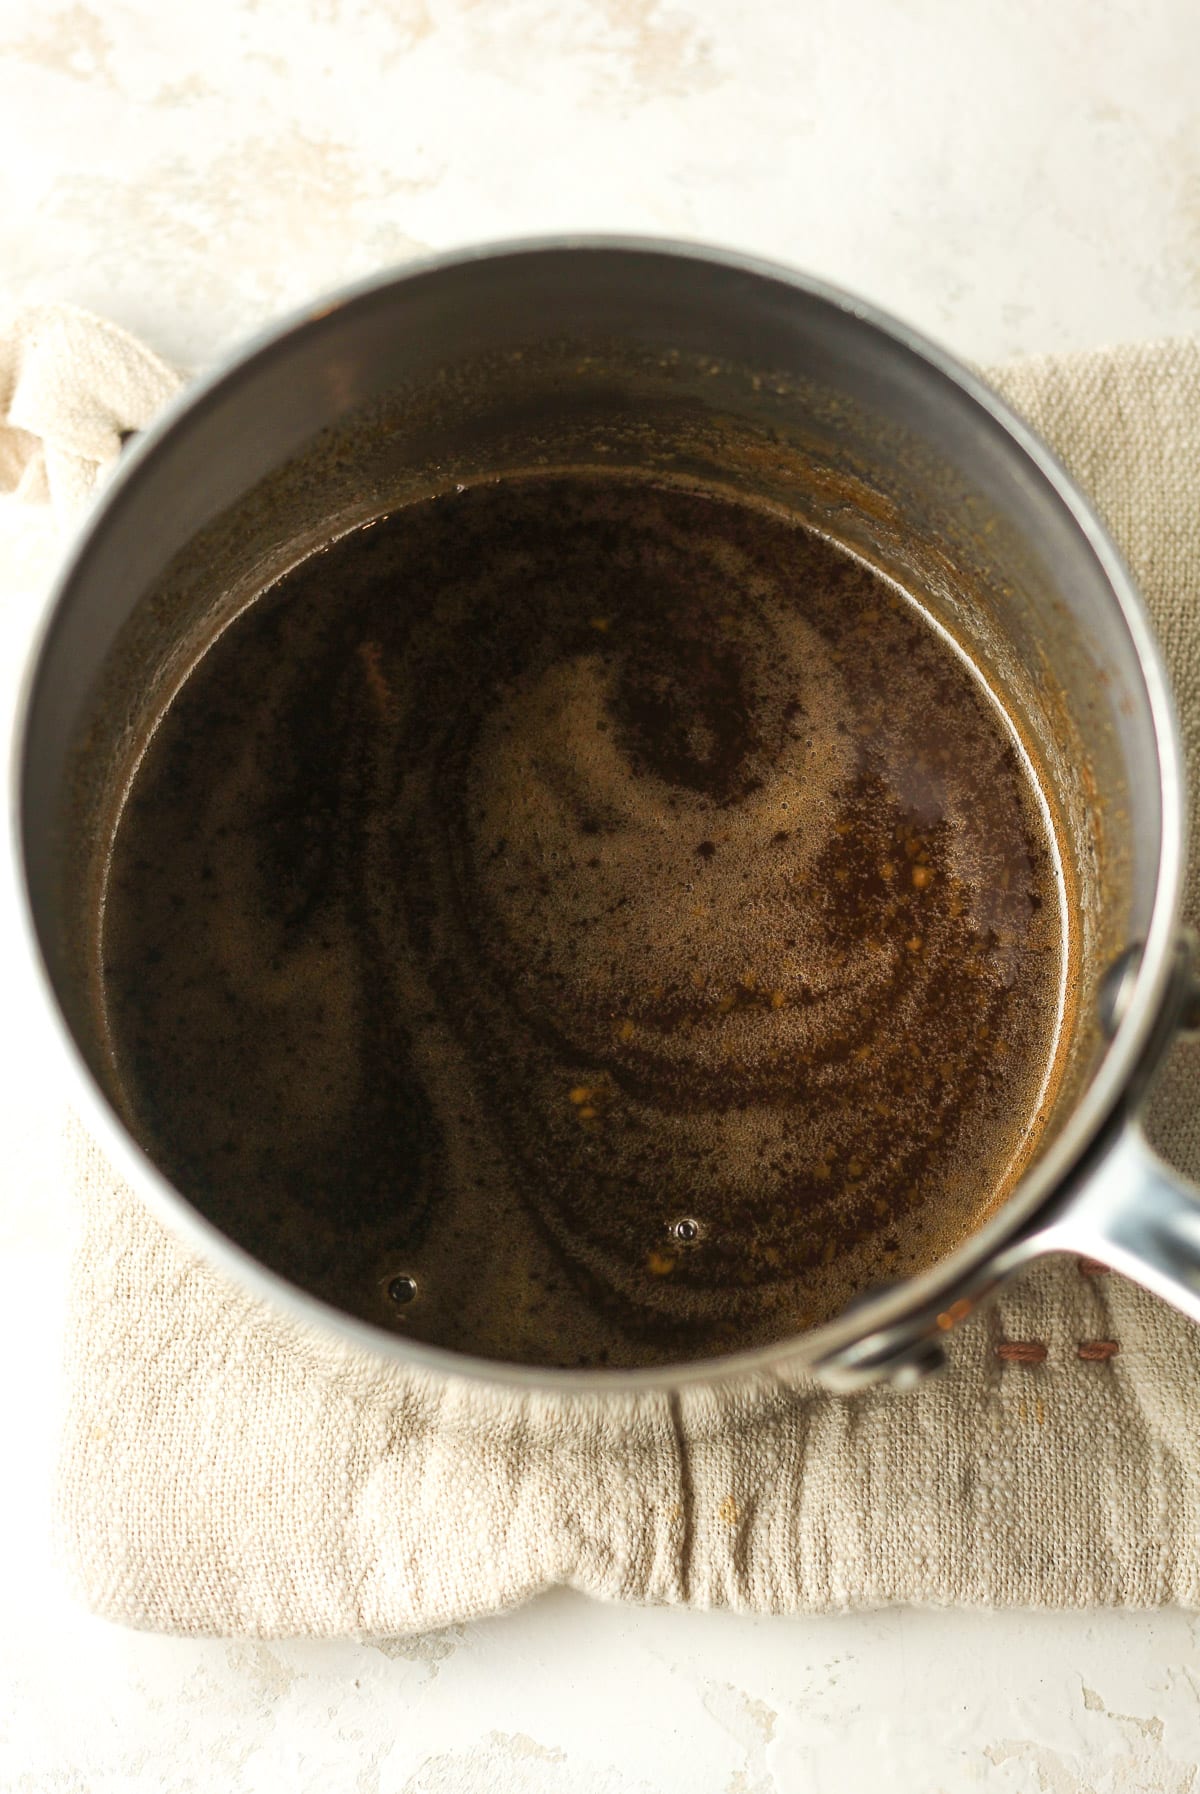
[{"x": 672, "y": 359}]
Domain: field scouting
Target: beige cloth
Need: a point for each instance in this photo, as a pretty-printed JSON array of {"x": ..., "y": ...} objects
[
  {"x": 71, "y": 387},
  {"x": 213, "y": 1480}
]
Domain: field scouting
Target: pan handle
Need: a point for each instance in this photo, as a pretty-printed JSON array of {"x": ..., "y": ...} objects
[
  {"x": 1137, "y": 1214},
  {"x": 1130, "y": 1211},
  {"x": 1126, "y": 1208}
]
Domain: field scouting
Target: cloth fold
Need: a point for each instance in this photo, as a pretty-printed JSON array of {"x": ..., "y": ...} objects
[
  {"x": 72, "y": 386},
  {"x": 213, "y": 1481}
]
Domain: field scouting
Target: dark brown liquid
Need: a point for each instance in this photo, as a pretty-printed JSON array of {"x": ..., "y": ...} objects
[{"x": 611, "y": 907}]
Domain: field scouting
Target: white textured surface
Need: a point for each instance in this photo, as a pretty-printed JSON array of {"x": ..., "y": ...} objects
[{"x": 1009, "y": 176}]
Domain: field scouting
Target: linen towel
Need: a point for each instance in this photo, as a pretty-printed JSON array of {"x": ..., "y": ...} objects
[{"x": 214, "y": 1480}]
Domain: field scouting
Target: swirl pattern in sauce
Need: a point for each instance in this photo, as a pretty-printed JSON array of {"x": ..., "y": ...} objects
[{"x": 612, "y": 907}]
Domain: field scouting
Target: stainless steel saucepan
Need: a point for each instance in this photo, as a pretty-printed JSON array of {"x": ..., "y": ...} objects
[{"x": 666, "y": 358}]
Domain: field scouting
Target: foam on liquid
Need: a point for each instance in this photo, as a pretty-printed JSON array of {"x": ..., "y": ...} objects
[{"x": 554, "y": 864}]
